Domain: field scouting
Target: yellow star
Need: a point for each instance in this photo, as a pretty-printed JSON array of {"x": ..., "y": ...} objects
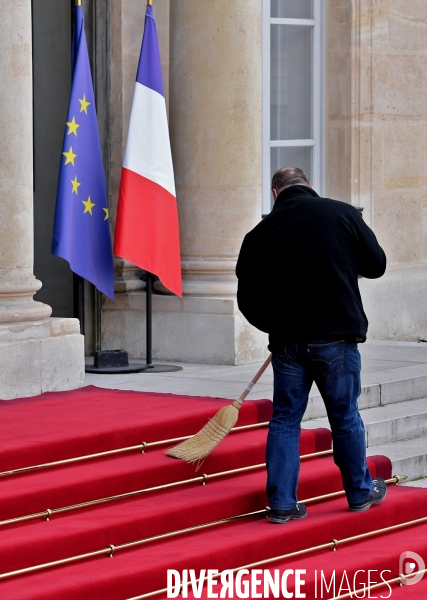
[
  {"x": 88, "y": 206},
  {"x": 72, "y": 127},
  {"x": 84, "y": 104},
  {"x": 107, "y": 213},
  {"x": 70, "y": 156},
  {"x": 75, "y": 185}
]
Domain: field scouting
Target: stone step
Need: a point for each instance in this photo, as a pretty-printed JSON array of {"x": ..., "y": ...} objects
[
  {"x": 397, "y": 430},
  {"x": 422, "y": 483},
  {"x": 390, "y": 423},
  {"x": 408, "y": 457},
  {"x": 396, "y": 422},
  {"x": 380, "y": 389},
  {"x": 369, "y": 398}
]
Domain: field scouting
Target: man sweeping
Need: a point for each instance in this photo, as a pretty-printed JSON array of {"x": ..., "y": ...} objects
[{"x": 298, "y": 281}]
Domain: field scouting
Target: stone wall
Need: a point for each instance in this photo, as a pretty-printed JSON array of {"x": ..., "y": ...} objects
[
  {"x": 376, "y": 145},
  {"x": 399, "y": 128}
]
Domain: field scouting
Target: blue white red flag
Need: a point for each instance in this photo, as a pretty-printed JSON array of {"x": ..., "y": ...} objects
[
  {"x": 147, "y": 230},
  {"x": 82, "y": 228}
]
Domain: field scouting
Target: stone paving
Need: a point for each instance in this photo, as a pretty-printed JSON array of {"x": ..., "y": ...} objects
[{"x": 382, "y": 361}]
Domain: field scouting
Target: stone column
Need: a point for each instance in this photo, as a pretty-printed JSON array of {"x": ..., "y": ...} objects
[
  {"x": 25, "y": 367},
  {"x": 215, "y": 124}
]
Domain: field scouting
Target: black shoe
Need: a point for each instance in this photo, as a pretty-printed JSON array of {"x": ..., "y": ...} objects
[
  {"x": 283, "y": 516},
  {"x": 379, "y": 492}
]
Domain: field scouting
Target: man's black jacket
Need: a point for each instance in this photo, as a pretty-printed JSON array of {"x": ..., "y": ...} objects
[{"x": 298, "y": 269}]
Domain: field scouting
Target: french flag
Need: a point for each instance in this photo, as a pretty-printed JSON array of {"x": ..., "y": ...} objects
[{"x": 147, "y": 230}]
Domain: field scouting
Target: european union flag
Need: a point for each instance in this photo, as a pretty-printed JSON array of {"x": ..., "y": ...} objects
[{"x": 81, "y": 233}]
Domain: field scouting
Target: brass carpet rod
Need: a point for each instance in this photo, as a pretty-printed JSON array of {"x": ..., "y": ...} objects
[
  {"x": 203, "y": 479},
  {"x": 142, "y": 447},
  {"x": 110, "y": 550}
]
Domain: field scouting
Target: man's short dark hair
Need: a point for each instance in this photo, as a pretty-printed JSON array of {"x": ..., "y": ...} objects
[{"x": 287, "y": 176}]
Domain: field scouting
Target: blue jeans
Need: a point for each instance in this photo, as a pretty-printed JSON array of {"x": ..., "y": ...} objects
[{"x": 335, "y": 367}]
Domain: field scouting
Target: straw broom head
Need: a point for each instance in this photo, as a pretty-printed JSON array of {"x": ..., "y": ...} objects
[{"x": 197, "y": 448}]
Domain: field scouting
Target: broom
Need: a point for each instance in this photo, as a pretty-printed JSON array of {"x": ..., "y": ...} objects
[{"x": 197, "y": 448}]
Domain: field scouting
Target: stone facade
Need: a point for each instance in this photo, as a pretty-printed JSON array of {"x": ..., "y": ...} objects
[
  {"x": 375, "y": 157},
  {"x": 376, "y": 120}
]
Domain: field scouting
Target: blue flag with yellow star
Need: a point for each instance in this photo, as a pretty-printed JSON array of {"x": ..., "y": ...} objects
[{"x": 81, "y": 232}]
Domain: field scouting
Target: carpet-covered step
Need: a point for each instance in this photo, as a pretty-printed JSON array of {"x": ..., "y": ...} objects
[
  {"x": 159, "y": 512},
  {"x": 61, "y": 425},
  {"x": 143, "y": 569},
  {"x": 154, "y": 514},
  {"x": 409, "y": 457},
  {"x": 357, "y": 566},
  {"x": 98, "y": 478},
  {"x": 390, "y": 423}
]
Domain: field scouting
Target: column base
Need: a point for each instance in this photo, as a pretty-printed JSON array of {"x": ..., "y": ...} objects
[
  {"x": 41, "y": 356},
  {"x": 396, "y": 303},
  {"x": 191, "y": 329}
]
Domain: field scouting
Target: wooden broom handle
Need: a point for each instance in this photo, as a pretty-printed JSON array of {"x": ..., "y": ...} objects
[{"x": 253, "y": 382}]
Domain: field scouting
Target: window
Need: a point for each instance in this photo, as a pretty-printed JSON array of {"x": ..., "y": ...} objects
[{"x": 292, "y": 90}]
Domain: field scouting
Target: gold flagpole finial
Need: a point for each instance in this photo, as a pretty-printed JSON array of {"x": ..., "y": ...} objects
[
  {"x": 78, "y": 2},
  {"x": 149, "y": 2}
]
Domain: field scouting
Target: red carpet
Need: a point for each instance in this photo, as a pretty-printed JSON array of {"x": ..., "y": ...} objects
[{"x": 64, "y": 425}]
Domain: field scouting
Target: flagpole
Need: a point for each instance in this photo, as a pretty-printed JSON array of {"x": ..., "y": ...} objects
[
  {"x": 149, "y": 319},
  {"x": 148, "y": 310},
  {"x": 148, "y": 303},
  {"x": 97, "y": 293}
]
